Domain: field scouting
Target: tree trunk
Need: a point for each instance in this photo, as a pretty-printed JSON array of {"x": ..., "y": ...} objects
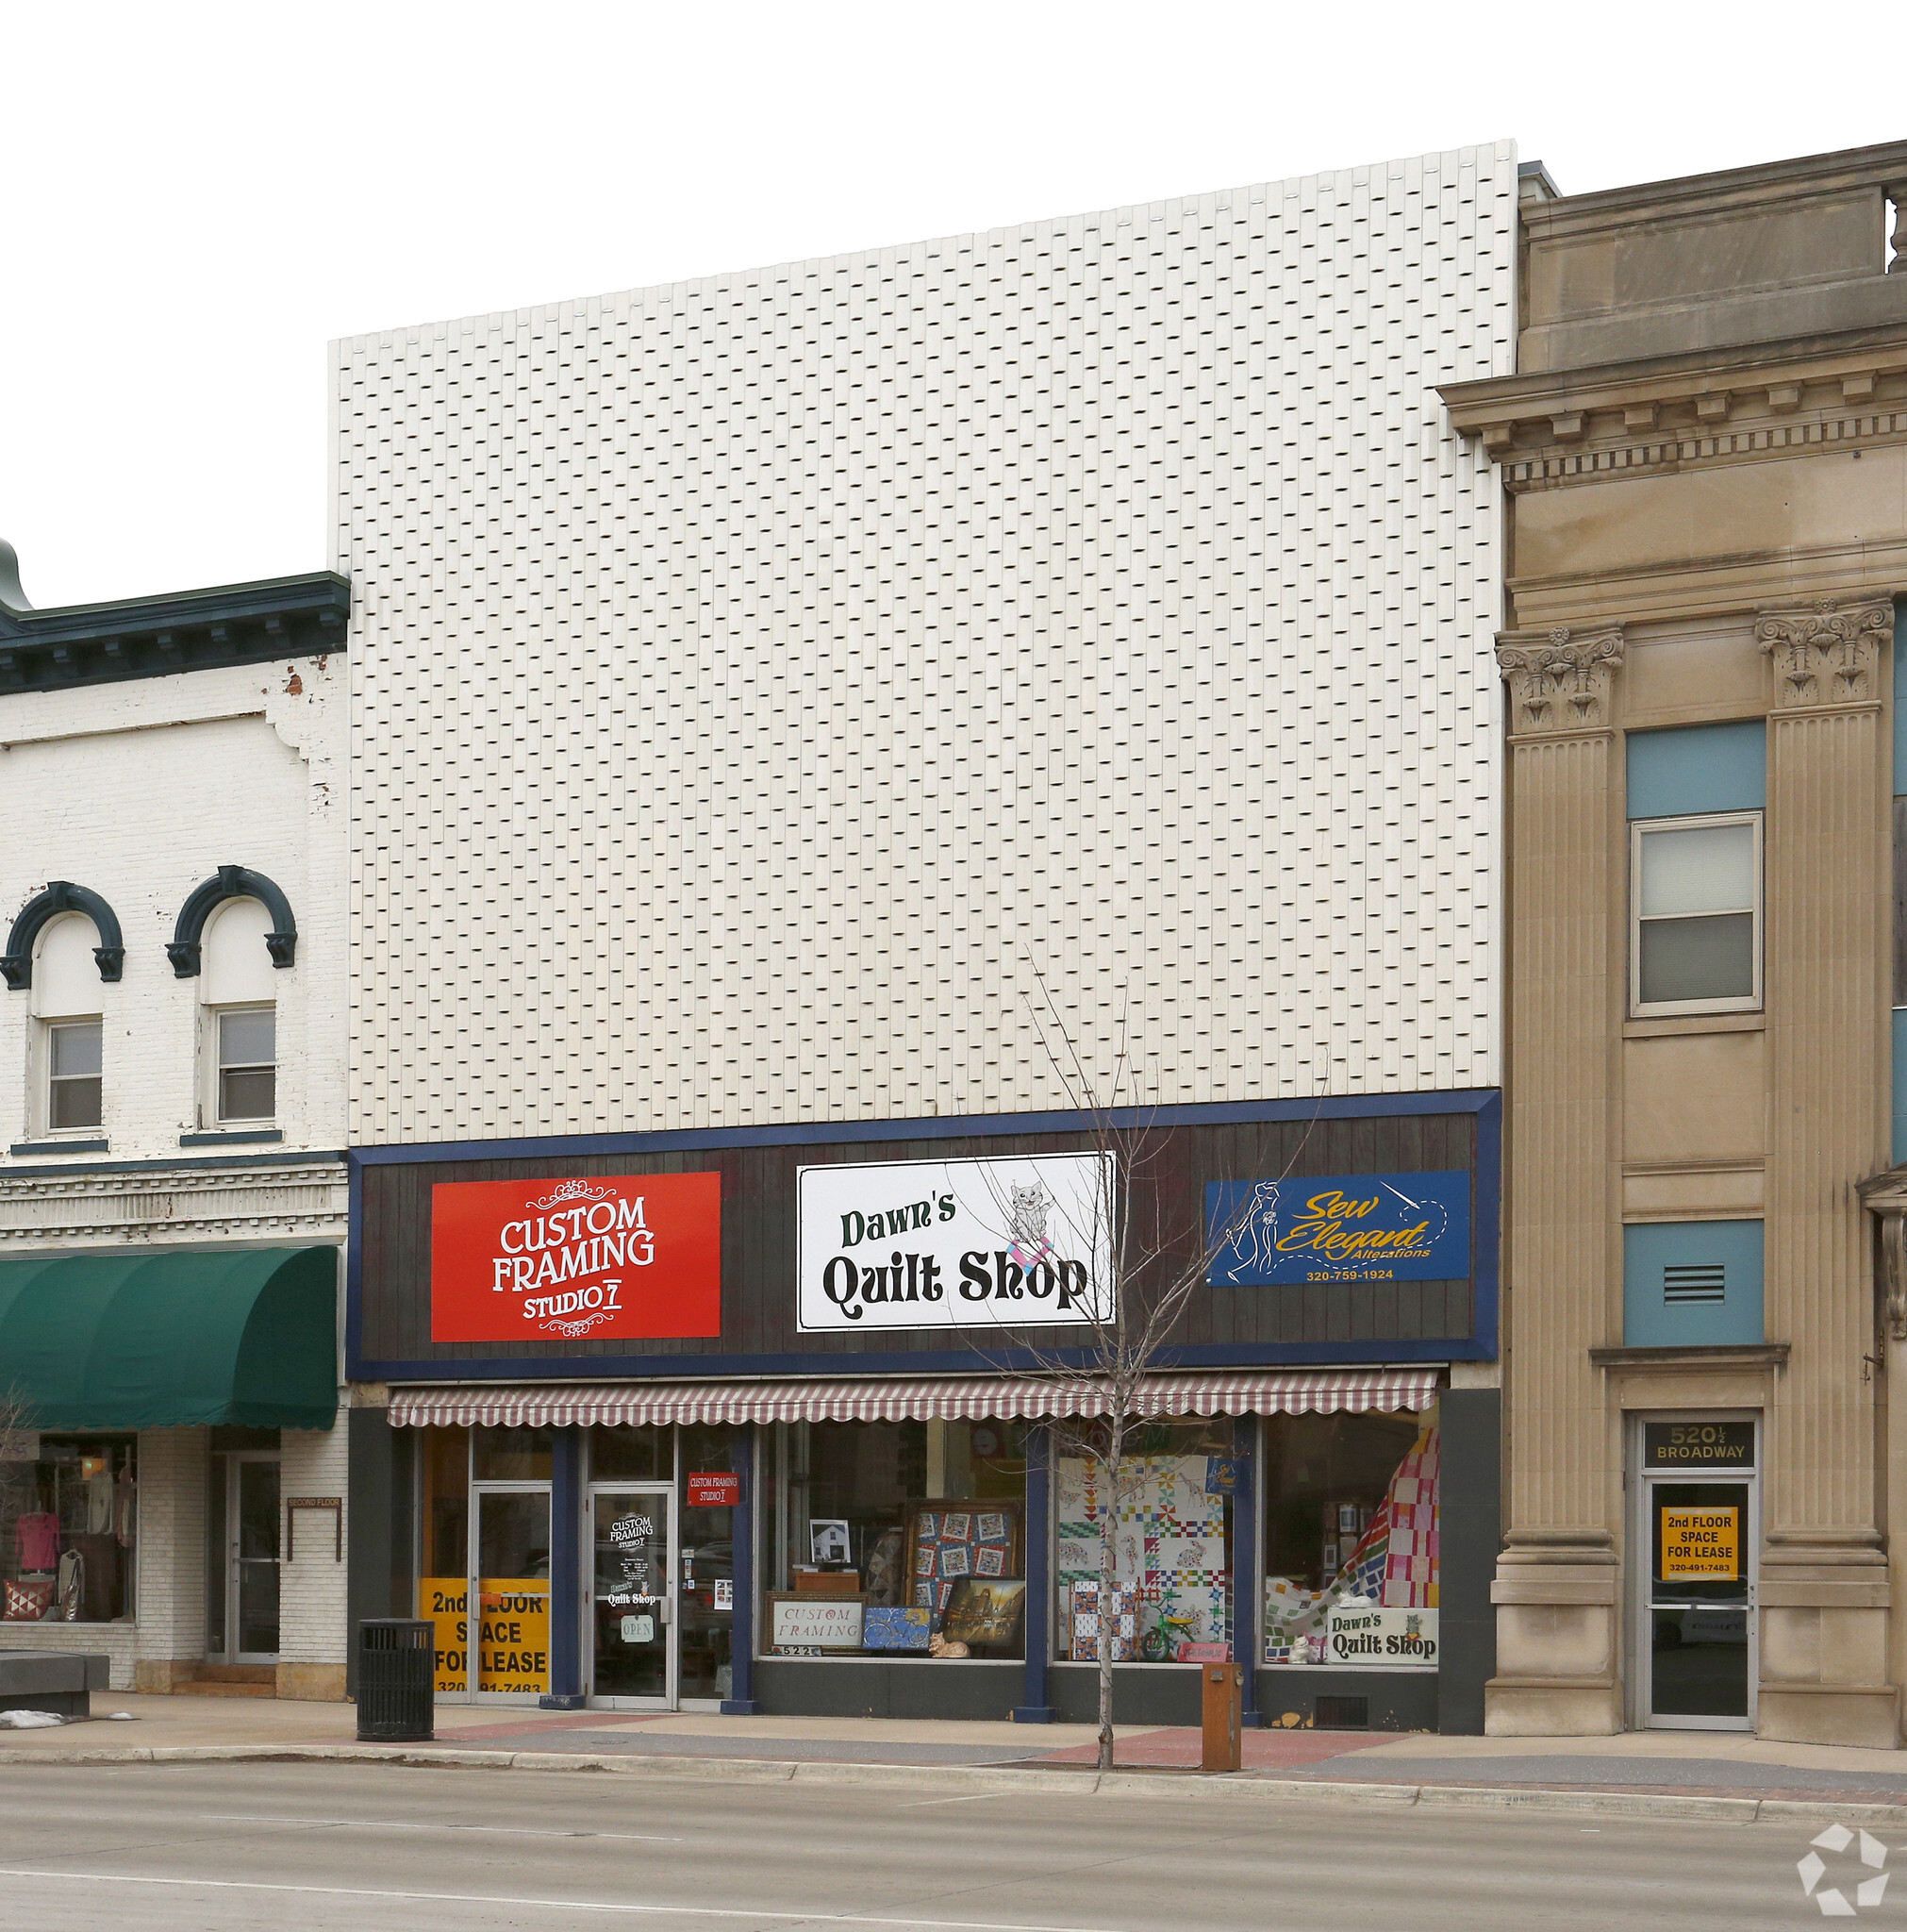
[{"x": 1108, "y": 1612}]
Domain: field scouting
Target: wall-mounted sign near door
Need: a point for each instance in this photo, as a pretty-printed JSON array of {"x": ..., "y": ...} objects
[
  {"x": 603, "y": 1255},
  {"x": 1697, "y": 1445}
]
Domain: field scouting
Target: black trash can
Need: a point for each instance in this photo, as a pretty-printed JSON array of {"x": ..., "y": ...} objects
[{"x": 396, "y": 1680}]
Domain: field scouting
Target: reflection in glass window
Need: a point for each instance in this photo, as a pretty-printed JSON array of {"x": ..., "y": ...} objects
[
  {"x": 922, "y": 1523},
  {"x": 73, "y": 1084},
  {"x": 69, "y": 1525},
  {"x": 1351, "y": 1528},
  {"x": 1696, "y": 890},
  {"x": 248, "y": 1064}
]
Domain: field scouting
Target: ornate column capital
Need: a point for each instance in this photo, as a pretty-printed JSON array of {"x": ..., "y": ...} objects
[
  {"x": 1825, "y": 653},
  {"x": 1560, "y": 679}
]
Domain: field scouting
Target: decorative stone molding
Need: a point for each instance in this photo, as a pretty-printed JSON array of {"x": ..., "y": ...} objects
[
  {"x": 1825, "y": 654},
  {"x": 1554, "y": 430},
  {"x": 231, "y": 882},
  {"x": 63, "y": 895},
  {"x": 1884, "y": 1196},
  {"x": 1560, "y": 681},
  {"x": 298, "y": 1199}
]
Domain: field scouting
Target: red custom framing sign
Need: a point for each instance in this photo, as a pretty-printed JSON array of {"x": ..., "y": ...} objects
[{"x": 628, "y": 1255}]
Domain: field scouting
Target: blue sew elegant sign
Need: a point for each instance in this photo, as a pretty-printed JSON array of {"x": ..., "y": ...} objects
[{"x": 1340, "y": 1227}]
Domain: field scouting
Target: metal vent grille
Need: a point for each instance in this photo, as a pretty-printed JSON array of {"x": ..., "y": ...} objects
[
  {"x": 1337, "y": 1713},
  {"x": 1695, "y": 1281}
]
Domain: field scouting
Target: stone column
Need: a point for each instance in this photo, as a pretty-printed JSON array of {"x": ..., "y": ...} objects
[
  {"x": 1824, "y": 1590},
  {"x": 1556, "y": 1590}
]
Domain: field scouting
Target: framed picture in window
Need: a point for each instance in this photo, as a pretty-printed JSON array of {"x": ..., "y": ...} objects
[
  {"x": 985, "y": 1614},
  {"x": 949, "y": 1542}
]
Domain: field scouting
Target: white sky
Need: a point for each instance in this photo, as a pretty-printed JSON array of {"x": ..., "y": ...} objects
[{"x": 194, "y": 199}]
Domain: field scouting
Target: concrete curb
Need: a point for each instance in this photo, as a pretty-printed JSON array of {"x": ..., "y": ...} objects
[{"x": 1005, "y": 1780}]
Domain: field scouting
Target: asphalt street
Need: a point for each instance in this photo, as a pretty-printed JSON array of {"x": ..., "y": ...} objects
[{"x": 367, "y": 1847}]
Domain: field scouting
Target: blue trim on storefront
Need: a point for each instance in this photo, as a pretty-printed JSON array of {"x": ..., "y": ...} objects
[
  {"x": 1039, "y": 1557},
  {"x": 568, "y": 1548},
  {"x": 1479, "y": 1346}
]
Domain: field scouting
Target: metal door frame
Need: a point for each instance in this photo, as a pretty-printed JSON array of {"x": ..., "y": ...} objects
[
  {"x": 1641, "y": 1544},
  {"x": 232, "y": 1459},
  {"x": 473, "y": 1594},
  {"x": 663, "y": 1486}
]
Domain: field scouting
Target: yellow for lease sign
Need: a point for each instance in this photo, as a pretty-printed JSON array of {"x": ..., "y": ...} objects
[{"x": 1701, "y": 1542}]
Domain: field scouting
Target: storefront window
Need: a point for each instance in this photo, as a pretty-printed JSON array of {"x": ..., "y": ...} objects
[
  {"x": 68, "y": 1531},
  {"x": 1172, "y": 1549},
  {"x": 1351, "y": 1540},
  {"x": 632, "y": 1454},
  {"x": 511, "y": 1456},
  {"x": 707, "y": 1555},
  {"x": 899, "y": 1538},
  {"x": 444, "y": 1515}
]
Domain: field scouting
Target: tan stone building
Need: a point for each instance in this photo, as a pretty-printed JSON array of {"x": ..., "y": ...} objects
[{"x": 1704, "y": 452}]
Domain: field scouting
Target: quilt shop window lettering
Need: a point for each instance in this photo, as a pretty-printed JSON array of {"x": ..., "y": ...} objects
[
  {"x": 1171, "y": 1523},
  {"x": 903, "y": 1539},
  {"x": 1351, "y": 1540},
  {"x": 69, "y": 1524}
]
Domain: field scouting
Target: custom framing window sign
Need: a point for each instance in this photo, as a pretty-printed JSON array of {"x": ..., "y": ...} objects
[
  {"x": 617, "y": 1255},
  {"x": 1017, "y": 1243}
]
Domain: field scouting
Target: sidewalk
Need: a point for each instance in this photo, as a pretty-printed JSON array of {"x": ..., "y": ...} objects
[{"x": 1682, "y": 1769}]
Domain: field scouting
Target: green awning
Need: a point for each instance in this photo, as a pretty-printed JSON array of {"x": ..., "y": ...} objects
[{"x": 162, "y": 1337}]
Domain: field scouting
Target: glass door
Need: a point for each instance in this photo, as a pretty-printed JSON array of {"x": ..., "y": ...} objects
[
  {"x": 242, "y": 1616},
  {"x": 629, "y": 1595},
  {"x": 509, "y": 1587},
  {"x": 1699, "y": 1620}
]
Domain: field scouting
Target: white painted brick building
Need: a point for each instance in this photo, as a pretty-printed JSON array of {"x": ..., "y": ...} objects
[{"x": 144, "y": 750}]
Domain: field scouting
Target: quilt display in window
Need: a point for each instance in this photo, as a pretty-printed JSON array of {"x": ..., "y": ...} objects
[
  {"x": 1169, "y": 1548},
  {"x": 1393, "y": 1564}
]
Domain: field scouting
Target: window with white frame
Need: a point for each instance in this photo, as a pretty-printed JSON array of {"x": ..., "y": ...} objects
[
  {"x": 248, "y": 1064},
  {"x": 238, "y": 1031},
  {"x": 68, "y": 1054},
  {"x": 1695, "y": 907}
]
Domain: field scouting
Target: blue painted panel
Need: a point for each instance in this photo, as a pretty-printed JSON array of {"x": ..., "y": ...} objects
[
  {"x": 1340, "y": 1227},
  {"x": 1899, "y": 695},
  {"x": 1692, "y": 1283},
  {"x": 1901, "y": 1083},
  {"x": 1698, "y": 768}
]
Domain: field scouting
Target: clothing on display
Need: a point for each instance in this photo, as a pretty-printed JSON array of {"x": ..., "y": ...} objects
[{"x": 36, "y": 1543}]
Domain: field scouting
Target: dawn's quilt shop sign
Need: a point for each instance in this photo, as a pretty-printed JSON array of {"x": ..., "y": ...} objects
[
  {"x": 1340, "y": 1227},
  {"x": 1017, "y": 1243}
]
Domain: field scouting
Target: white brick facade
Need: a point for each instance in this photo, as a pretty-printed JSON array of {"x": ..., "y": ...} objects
[
  {"x": 312, "y": 1623},
  {"x": 139, "y": 790},
  {"x": 747, "y": 674},
  {"x": 142, "y": 790}
]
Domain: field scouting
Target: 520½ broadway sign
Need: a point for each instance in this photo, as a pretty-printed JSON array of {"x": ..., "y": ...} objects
[{"x": 1017, "y": 1243}]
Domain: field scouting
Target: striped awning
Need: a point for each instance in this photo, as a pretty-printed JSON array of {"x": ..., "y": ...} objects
[{"x": 967, "y": 1398}]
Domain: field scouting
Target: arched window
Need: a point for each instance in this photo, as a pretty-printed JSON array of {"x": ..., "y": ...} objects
[
  {"x": 68, "y": 1031},
  {"x": 238, "y": 997}
]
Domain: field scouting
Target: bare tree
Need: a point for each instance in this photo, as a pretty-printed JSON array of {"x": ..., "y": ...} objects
[
  {"x": 16, "y": 1415},
  {"x": 1155, "y": 1252}
]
